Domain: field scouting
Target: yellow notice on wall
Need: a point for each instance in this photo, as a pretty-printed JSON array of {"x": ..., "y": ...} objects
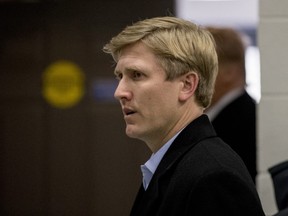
[{"x": 63, "y": 84}]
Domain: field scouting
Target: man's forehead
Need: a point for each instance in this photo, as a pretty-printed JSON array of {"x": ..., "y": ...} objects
[{"x": 136, "y": 56}]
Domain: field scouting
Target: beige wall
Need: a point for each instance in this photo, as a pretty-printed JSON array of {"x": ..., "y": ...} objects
[{"x": 272, "y": 115}]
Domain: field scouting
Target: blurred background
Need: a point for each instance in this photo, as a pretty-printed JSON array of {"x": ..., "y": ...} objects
[{"x": 63, "y": 149}]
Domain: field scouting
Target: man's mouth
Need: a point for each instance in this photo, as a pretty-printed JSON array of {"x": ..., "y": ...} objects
[{"x": 128, "y": 111}]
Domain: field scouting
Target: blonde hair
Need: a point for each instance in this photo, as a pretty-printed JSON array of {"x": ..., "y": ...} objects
[{"x": 181, "y": 47}]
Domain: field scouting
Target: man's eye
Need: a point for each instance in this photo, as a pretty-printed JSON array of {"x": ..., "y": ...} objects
[{"x": 137, "y": 75}]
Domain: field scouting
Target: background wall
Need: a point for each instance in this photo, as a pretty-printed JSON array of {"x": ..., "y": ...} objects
[
  {"x": 272, "y": 119},
  {"x": 75, "y": 161},
  {"x": 78, "y": 161}
]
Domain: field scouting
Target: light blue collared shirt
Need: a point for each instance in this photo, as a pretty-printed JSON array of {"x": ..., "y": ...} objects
[{"x": 149, "y": 168}]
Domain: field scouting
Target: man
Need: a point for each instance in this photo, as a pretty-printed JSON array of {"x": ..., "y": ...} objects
[
  {"x": 233, "y": 111},
  {"x": 166, "y": 68}
]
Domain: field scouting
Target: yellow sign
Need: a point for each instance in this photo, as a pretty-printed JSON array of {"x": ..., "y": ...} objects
[{"x": 63, "y": 84}]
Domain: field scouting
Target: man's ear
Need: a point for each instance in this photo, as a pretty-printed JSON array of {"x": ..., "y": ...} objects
[{"x": 188, "y": 86}]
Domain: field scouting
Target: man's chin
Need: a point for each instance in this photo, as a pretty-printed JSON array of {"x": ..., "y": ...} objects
[{"x": 132, "y": 133}]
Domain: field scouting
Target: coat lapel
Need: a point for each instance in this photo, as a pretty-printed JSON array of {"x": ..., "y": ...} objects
[
  {"x": 196, "y": 131},
  {"x": 148, "y": 201}
]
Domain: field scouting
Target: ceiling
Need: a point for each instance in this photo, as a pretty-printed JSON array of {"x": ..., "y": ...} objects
[{"x": 233, "y": 13}]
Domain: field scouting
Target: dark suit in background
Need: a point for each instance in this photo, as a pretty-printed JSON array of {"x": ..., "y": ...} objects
[
  {"x": 236, "y": 121},
  {"x": 199, "y": 175},
  {"x": 236, "y": 125}
]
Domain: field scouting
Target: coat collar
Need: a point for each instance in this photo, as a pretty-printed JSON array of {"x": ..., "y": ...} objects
[{"x": 196, "y": 131}]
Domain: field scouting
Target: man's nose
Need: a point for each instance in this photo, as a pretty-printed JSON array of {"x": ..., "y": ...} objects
[{"x": 122, "y": 91}]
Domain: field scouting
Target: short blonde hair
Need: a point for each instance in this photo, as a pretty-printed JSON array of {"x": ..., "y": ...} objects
[{"x": 181, "y": 47}]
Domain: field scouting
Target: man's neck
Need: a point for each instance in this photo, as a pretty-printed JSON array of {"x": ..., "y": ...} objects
[{"x": 184, "y": 119}]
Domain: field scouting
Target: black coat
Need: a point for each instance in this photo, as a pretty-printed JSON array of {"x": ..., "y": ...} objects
[
  {"x": 199, "y": 175},
  {"x": 236, "y": 125}
]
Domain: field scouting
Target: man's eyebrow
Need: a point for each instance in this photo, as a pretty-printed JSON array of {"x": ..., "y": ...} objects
[
  {"x": 128, "y": 69},
  {"x": 134, "y": 68}
]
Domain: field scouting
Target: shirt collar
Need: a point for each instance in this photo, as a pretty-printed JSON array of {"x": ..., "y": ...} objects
[{"x": 149, "y": 168}]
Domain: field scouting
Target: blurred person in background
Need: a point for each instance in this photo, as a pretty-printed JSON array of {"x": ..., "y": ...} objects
[{"x": 232, "y": 110}]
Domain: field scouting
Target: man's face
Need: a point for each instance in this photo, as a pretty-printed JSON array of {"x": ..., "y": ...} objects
[{"x": 149, "y": 102}]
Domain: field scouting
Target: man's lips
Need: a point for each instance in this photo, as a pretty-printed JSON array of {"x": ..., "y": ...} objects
[{"x": 128, "y": 111}]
